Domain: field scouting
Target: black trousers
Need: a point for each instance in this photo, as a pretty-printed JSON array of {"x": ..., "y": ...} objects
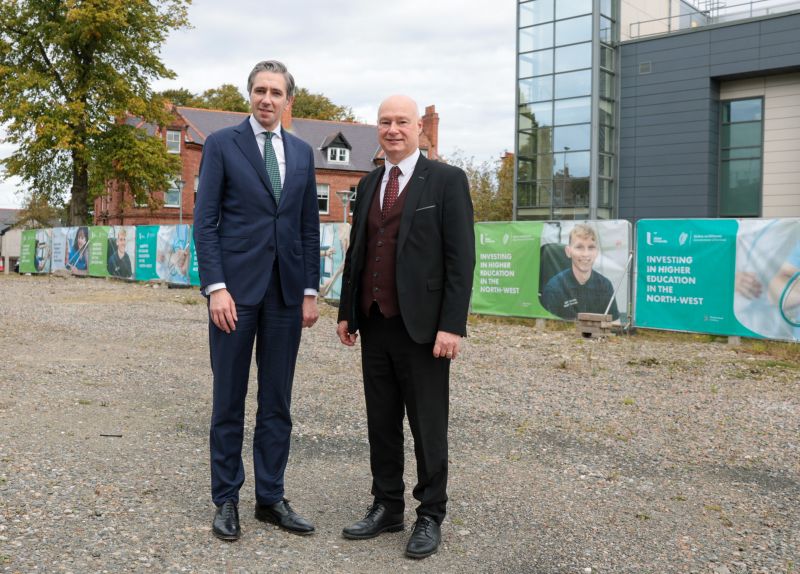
[{"x": 401, "y": 376}]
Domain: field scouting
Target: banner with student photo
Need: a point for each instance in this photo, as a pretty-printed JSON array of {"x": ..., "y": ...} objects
[
  {"x": 334, "y": 239},
  {"x": 585, "y": 268},
  {"x": 720, "y": 276},
  {"x": 36, "y": 249},
  {"x": 552, "y": 270},
  {"x": 120, "y": 255},
  {"x": 78, "y": 247}
]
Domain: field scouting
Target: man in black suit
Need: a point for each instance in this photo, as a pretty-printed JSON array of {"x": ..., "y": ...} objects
[{"x": 406, "y": 287}]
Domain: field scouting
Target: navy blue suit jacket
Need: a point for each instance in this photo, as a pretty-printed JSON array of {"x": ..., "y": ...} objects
[{"x": 239, "y": 229}]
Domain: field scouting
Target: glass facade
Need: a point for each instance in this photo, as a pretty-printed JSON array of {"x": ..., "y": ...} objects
[
  {"x": 566, "y": 146},
  {"x": 741, "y": 150}
]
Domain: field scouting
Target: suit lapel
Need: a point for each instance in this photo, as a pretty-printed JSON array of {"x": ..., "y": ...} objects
[
  {"x": 413, "y": 191},
  {"x": 371, "y": 187},
  {"x": 247, "y": 143}
]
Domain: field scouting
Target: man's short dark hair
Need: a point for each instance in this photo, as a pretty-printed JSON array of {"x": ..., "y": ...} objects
[{"x": 272, "y": 66}]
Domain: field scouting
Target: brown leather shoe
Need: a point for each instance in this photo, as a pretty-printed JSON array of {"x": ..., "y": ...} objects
[{"x": 281, "y": 514}]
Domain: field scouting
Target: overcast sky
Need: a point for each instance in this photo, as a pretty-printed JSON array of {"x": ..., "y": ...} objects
[{"x": 455, "y": 54}]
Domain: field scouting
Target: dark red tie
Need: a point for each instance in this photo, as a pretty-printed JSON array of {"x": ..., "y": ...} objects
[{"x": 391, "y": 191}]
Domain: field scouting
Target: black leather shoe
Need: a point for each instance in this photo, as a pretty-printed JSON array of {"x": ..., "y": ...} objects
[
  {"x": 377, "y": 520},
  {"x": 425, "y": 539},
  {"x": 226, "y": 521},
  {"x": 282, "y": 515}
]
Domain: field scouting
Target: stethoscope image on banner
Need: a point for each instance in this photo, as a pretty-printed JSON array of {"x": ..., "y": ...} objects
[
  {"x": 789, "y": 302},
  {"x": 180, "y": 248},
  {"x": 789, "y": 299}
]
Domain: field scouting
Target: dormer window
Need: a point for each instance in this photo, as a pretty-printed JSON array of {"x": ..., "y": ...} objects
[
  {"x": 338, "y": 154},
  {"x": 335, "y": 148}
]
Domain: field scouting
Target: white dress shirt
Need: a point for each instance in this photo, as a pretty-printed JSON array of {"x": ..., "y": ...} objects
[
  {"x": 277, "y": 143},
  {"x": 406, "y": 166}
]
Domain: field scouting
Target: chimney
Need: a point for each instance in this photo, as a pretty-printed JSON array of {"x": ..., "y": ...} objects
[
  {"x": 286, "y": 118},
  {"x": 430, "y": 127}
]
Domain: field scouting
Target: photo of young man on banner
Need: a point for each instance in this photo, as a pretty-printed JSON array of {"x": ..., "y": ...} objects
[{"x": 578, "y": 273}]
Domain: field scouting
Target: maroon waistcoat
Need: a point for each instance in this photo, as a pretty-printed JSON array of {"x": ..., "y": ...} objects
[{"x": 378, "y": 280}]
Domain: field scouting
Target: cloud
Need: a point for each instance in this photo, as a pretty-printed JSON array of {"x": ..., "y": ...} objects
[{"x": 456, "y": 54}]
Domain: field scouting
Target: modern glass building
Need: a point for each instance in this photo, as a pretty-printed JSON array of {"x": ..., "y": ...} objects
[
  {"x": 566, "y": 109},
  {"x": 657, "y": 108}
]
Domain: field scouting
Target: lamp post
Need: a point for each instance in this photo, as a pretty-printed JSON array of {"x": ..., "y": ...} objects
[
  {"x": 179, "y": 184},
  {"x": 346, "y": 196}
]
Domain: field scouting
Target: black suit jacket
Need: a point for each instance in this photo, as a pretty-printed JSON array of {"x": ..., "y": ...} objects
[{"x": 435, "y": 251}]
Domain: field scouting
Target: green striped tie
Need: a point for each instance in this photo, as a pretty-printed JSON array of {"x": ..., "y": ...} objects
[{"x": 273, "y": 170}]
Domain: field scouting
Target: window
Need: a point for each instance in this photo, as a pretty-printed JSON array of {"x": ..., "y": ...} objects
[
  {"x": 575, "y": 57},
  {"x": 173, "y": 141},
  {"x": 172, "y": 197},
  {"x": 323, "y": 197},
  {"x": 338, "y": 154},
  {"x": 741, "y": 158}
]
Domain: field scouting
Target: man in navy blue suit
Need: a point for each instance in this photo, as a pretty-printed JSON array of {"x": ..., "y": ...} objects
[{"x": 256, "y": 231}]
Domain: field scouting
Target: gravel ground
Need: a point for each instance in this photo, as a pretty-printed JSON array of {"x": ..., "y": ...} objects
[{"x": 631, "y": 454}]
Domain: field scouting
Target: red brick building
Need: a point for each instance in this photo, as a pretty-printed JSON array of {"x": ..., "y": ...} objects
[{"x": 343, "y": 153}]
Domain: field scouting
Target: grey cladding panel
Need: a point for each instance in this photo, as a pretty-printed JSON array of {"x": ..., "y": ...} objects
[{"x": 789, "y": 22}]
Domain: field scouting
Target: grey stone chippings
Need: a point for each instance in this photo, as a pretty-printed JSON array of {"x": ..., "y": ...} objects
[{"x": 631, "y": 454}]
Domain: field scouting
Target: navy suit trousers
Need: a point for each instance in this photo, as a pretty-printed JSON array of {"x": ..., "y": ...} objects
[{"x": 275, "y": 329}]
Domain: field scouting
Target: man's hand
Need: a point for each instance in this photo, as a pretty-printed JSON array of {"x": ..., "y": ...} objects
[
  {"x": 447, "y": 345},
  {"x": 346, "y": 338},
  {"x": 223, "y": 310},
  {"x": 310, "y": 310}
]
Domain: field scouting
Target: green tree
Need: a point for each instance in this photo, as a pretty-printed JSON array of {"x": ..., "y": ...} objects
[
  {"x": 70, "y": 73},
  {"x": 491, "y": 186},
  {"x": 179, "y": 97},
  {"x": 226, "y": 97},
  {"x": 319, "y": 107}
]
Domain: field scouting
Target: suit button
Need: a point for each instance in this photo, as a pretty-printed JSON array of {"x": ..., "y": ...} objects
[
  {"x": 375, "y": 289},
  {"x": 378, "y": 259}
]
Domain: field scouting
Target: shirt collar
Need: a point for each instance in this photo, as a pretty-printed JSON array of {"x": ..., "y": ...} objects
[
  {"x": 406, "y": 165},
  {"x": 259, "y": 129}
]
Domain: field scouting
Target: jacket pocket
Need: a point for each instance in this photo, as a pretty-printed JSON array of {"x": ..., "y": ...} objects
[
  {"x": 435, "y": 284},
  {"x": 234, "y": 243}
]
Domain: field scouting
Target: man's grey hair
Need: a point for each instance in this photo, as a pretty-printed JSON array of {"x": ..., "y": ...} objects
[{"x": 272, "y": 66}]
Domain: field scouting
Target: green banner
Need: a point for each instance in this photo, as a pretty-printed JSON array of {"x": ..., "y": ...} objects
[
  {"x": 553, "y": 269},
  {"x": 685, "y": 275},
  {"x": 28, "y": 261},
  {"x": 506, "y": 269},
  {"x": 719, "y": 276},
  {"x": 146, "y": 239},
  {"x": 98, "y": 251}
]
